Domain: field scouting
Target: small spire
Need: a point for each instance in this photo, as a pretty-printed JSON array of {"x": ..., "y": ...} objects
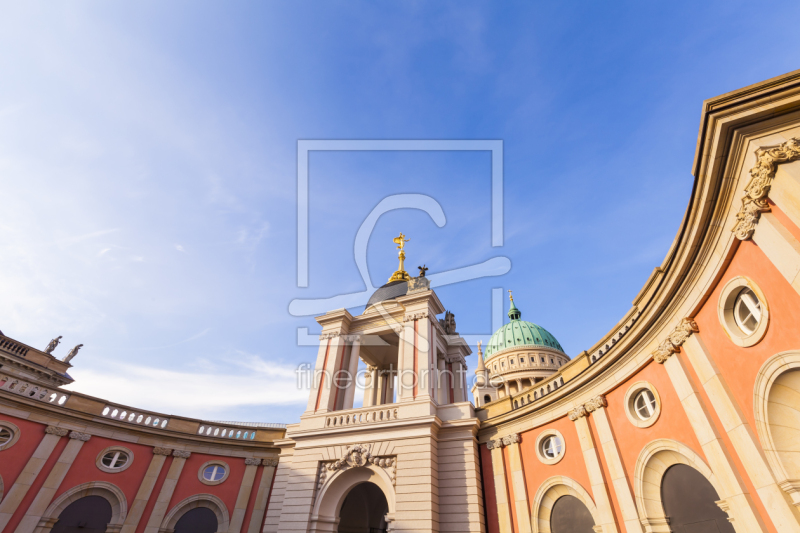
[
  {"x": 481, "y": 365},
  {"x": 513, "y": 312}
]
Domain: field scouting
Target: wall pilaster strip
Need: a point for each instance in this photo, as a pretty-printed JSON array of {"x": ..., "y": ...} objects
[
  {"x": 742, "y": 436},
  {"x": 616, "y": 470},
  {"x": 500, "y": 487},
  {"x": 745, "y": 517},
  {"x": 260, "y": 507},
  {"x": 245, "y": 488},
  {"x": 599, "y": 487},
  {"x": 23, "y": 483},
  {"x": 145, "y": 490},
  {"x": 517, "y": 474},
  {"x": 59, "y": 471},
  {"x": 162, "y": 502},
  {"x": 780, "y": 247}
]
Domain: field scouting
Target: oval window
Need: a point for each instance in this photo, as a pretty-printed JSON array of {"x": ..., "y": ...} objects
[
  {"x": 551, "y": 447},
  {"x": 115, "y": 459},
  {"x": 645, "y": 404},
  {"x": 213, "y": 472},
  {"x": 747, "y": 311},
  {"x": 5, "y": 436}
]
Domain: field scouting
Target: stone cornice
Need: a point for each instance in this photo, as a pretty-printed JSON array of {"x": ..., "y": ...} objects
[
  {"x": 754, "y": 201},
  {"x": 672, "y": 344}
]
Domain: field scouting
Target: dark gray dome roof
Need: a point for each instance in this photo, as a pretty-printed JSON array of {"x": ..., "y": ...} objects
[{"x": 390, "y": 291}]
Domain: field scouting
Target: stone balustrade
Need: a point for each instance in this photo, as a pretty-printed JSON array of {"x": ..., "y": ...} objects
[
  {"x": 369, "y": 415},
  {"x": 29, "y": 390},
  {"x": 131, "y": 416},
  {"x": 13, "y": 347}
]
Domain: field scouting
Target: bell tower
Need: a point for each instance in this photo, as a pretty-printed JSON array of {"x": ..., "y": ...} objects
[{"x": 415, "y": 412}]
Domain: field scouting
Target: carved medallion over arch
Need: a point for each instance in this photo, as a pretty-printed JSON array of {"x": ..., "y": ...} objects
[
  {"x": 108, "y": 491},
  {"x": 216, "y": 505},
  {"x": 332, "y": 493},
  {"x": 652, "y": 463},
  {"x": 549, "y": 492}
]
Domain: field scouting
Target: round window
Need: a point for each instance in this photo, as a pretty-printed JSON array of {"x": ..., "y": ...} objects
[
  {"x": 115, "y": 459},
  {"x": 645, "y": 404},
  {"x": 551, "y": 447},
  {"x": 5, "y": 436},
  {"x": 214, "y": 473},
  {"x": 747, "y": 311}
]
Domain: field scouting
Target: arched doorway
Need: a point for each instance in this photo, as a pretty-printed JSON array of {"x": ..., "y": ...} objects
[
  {"x": 570, "y": 515},
  {"x": 90, "y": 514},
  {"x": 198, "y": 520},
  {"x": 690, "y": 501},
  {"x": 364, "y": 510}
]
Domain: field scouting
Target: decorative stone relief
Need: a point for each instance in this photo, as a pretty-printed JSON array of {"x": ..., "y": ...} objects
[
  {"x": 508, "y": 440},
  {"x": 162, "y": 451},
  {"x": 183, "y": 454},
  {"x": 359, "y": 455},
  {"x": 270, "y": 462},
  {"x": 53, "y": 430},
  {"x": 80, "y": 436},
  {"x": 672, "y": 344},
  {"x": 754, "y": 201},
  {"x": 415, "y": 316},
  {"x": 330, "y": 335},
  {"x": 252, "y": 461},
  {"x": 589, "y": 407}
]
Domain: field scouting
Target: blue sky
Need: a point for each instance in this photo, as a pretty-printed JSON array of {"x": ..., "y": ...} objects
[{"x": 148, "y": 169}]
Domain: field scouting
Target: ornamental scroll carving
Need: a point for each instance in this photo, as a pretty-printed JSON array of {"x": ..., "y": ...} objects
[
  {"x": 252, "y": 461},
  {"x": 415, "y": 316},
  {"x": 754, "y": 201},
  {"x": 162, "y": 451},
  {"x": 330, "y": 335},
  {"x": 53, "y": 430},
  {"x": 502, "y": 442},
  {"x": 80, "y": 436},
  {"x": 183, "y": 454},
  {"x": 589, "y": 407},
  {"x": 270, "y": 462},
  {"x": 359, "y": 455},
  {"x": 672, "y": 344}
]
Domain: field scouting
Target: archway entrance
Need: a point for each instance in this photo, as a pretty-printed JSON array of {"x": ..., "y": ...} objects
[
  {"x": 690, "y": 501},
  {"x": 570, "y": 515},
  {"x": 364, "y": 510},
  {"x": 198, "y": 520},
  {"x": 90, "y": 514}
]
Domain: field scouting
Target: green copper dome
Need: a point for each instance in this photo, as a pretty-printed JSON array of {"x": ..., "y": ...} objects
[{"x": 519, "y": 333}]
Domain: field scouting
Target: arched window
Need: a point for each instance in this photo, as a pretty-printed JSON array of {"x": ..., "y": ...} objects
[
  {"x": 90, "y": 513},
  {"x": 198, "y": 520},
  {"x": 569, "y": 514},
  {"x": 689, "y": 499},
  {"x": 487, "y": 398}
]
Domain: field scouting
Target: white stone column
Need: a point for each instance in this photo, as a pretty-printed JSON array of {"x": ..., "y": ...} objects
[
  {"x": 136, "y": 510},
  {"x": 520, "y": 505},
  {"x": 262, "y": 496},
  {"x": 327, "y": 393},
  {"x": 592, "y": 460},
  {"x": 405, "y": 363},
  {"x": 459, "y": 386},
  {"x": 745, "y": 516},
  {"x": 780, "y": 246},
  {"x": 170, "y": 482},
  {"x": 52, "y": 483},
  {"x": 500, "y": 486},
  {"x": 245, "y": 488},
  {"x": 353, "y": 369},
  {"x": 14, "y": 496},
  {"x": 742, "y": 436},
  {"x": 616, "y": 470},
  {"x": 442, "y": 382}
]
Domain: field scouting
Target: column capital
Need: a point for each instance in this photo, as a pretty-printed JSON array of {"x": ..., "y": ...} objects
[
  {"x": 54, "y": 430},
  {"x": 672, "y": 344},
  {"x": 162, "y": 451},
  {"x": 183, "y": 454},
  {"x": 589, "y": 407},
  {"x": 80, "y": 436},
  {"x": 271, "y": 462},
  {"x": 252, "y": 461},
  {"x": 415, "y": 316},
  {"x": 502, "y": 442}
]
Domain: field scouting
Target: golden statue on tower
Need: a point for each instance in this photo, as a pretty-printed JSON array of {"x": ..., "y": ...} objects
[{"x": 400, "y": 274}]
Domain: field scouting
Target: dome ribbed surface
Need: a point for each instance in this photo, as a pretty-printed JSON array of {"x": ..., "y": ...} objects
[
  {"x": 519, "y": 333},
  {"x": 390, "y": 291}
]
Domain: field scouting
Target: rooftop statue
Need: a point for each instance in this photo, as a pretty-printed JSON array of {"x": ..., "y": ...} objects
[
  {"x": 52, "y": 345},
  {"x": 72, "y": 353}
]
